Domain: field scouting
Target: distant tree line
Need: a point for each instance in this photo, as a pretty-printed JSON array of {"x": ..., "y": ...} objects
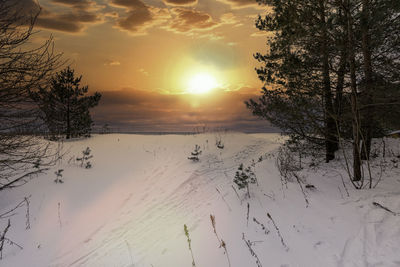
[{"x": 331, "y": 72}]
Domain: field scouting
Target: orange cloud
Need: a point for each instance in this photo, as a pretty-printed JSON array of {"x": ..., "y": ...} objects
[
  {"x": 180, "y": 2},
  {"x": 139, "y": 16},
  {"x": 188, "y": 20},
  {"x": 235, "y": 4},
  {"x": 112, "y": 63}
]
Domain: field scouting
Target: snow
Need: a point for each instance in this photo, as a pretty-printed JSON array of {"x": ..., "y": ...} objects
[
  {"x": 129, "y": 209},
  {"x": 394, "y": 132}
]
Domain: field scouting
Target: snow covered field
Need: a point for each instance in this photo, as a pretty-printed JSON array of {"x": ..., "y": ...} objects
[{"x": 130, "y": 208}]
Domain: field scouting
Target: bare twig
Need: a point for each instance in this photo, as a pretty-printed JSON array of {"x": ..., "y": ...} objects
[
  {"x": 223, "y": 199},
  {"x": 248, "y": 213},
  {"x": 385, "y": 208},
  {"x": 301, "y": 187},
  {"x": 10, "y": 212},
  {"x": 59, "y": 215},
  {"x": 3, "y": 239},
  {"x": 28, "y": 223},
  {"x": 234, "y": 189},
  {"x": 129, "y": 250}
]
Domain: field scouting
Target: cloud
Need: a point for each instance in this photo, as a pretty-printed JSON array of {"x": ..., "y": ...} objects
[
  {"x": 77, "y": 15},
  {"x": 139, "y": 16},
  {"x": 144, "y": 72},
  {"x": 78, "y": 4},
  {"x": 188, "y": 20},
  {"x": 235, "y": 4},
  {"x": 139, "y": 110},
  {"x": 180, "y": 2},
  {"x": 112, "y": 63}
]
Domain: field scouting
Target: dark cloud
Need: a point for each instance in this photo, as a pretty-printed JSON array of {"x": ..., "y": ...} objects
[
  {"x": 78, "y": 14},
  {"x": 72, "y": 22},
  {"x": 139, "y": 16},
  {"x": 186, "y": 20},
  {"x": 78, "y": 4},
  {"x": 180, "y": 2},
  {"x": 138, "y": 110}
]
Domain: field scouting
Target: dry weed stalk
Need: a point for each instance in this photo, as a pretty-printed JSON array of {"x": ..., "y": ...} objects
[
  {"x": 234, "y": 189},
  {"x": 248, "y": 243},
  {"x": 385, "y": 208},
  {"x": 189, "y": 241},
  {"x": 278, "y": 232},
  {"x": 220, "y": 241},
  {"x": 266, "y": 231},
  {"x": 248, "y": 213}
]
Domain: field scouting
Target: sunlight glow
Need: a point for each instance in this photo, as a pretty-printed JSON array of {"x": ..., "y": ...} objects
[{"x": 201, "y": 83}]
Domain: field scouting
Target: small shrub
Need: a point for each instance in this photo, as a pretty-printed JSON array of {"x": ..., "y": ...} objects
[
  {"x": 59, "y": 175},
  {"x": 195, "y": 154},
  {"x": 85, "y": 158},
  {"x": 219, "y": 144},
  {"x": 243, "y": 177}
]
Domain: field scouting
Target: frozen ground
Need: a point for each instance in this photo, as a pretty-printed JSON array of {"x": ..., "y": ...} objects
[{"x": 130, "y": 207}]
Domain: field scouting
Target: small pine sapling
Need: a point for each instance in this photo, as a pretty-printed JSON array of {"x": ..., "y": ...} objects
[
  {"x": 243, "y": 177},
  {"x": 219, "y": 144},
  {"x": 85, "y": 158},
  {"x": 88, "y": 165},
  {"x": 195, "y": 153},
  {"x": 59, "y": 175}
]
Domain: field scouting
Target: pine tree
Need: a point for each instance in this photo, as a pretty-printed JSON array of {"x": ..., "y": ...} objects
[
  {"x": 66, "y": 106},
  {"x": 331, "y": 70},
  {"x": 299, "y": 72}
]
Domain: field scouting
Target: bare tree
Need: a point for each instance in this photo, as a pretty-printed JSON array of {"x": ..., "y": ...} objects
[{"x": 23, "y": 69}]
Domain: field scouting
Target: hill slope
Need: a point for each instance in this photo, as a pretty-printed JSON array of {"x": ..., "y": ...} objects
[{"x": 130, "y": 207}]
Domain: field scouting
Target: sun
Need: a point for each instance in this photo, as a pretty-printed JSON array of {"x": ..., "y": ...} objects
[{"x": 201, "y": 83}]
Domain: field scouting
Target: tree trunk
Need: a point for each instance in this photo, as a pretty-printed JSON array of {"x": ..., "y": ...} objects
[
  {"x": 338, "y": 104},
  {"x": 354, "y": 104},
  {"x": 68, "y": 120},
  {"x": 330, "y": 126},
  {"x": 368, "y": 89}
]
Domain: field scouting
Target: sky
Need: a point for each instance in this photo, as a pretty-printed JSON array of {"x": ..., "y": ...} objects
[{"x": 161, "y": 65}]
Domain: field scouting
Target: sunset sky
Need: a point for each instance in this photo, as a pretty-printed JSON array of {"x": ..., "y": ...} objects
[{"x": 169, "y": 65}]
